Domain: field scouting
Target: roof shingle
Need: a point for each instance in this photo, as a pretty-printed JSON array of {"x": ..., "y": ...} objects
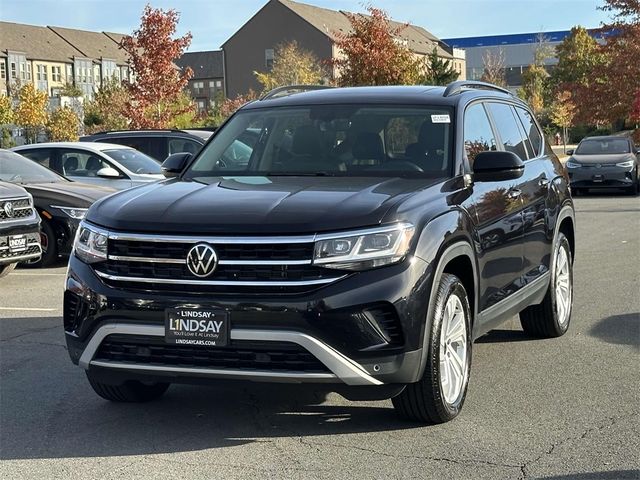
[
  {"x": 204, "y": 64},
  {"x": 38, "y": 43}
]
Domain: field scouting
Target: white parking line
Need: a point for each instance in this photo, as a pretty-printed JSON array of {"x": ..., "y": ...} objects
[
  {"x": 24, "y": 309},
  {"x": 15, "y": 274}
]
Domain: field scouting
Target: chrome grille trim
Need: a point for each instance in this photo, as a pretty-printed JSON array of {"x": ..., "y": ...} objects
[
  {"x": 179, "y": 261},
  {"x": 225, "y": 283},
  {"x": 141, "y": 237}
]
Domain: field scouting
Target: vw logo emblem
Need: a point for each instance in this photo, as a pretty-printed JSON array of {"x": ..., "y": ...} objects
[
  {"x": 8, "y": 209},
  {"x": 202, "y": 260}
]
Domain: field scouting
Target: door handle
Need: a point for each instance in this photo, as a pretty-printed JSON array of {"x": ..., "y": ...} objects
[
  {"x": 543, "y": 182},
  {"x": 514, "y": 193}
]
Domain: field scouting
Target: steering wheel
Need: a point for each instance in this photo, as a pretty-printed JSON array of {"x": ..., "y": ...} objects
[{"x": 398, "y": 165}]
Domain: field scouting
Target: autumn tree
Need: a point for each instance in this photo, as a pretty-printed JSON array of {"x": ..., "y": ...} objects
[
  {"x": 225, "y": 107},
  {"x": 373, "y": 52},
  {"x": 613, "y": 98},
  {"x": 534, "y": 89},
  {"x": 562, "y": 113},
  {"x": 31, "y": 112},
  {"x": 107, "y": 109},
  {"x": 158, "y": 83},
  {"x": 438, "y": 71},
  {"x": 292, "y": 65},
  {"x": 6, "y": 118},
  {"x": 494, "y": 67},
  {"x": 63, "y": 125}
]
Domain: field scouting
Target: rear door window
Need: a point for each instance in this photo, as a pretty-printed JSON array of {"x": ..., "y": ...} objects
[
  {"x": 531, "y": 129},
  {"x": 180, "y": 145},
  {"x": 508, "y": 129},
  {"x": 44, "y": 156}
]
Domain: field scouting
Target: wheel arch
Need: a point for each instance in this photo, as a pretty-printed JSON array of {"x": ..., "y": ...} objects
[{"x": 565, "y": 223}]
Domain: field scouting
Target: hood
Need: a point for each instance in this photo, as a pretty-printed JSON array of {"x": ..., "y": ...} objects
[
  {"x": 254, "y": 205},
  {"x": 603, "y": 159},
  {"x": 9, "y": 190},
  {"x": 73, "y": 194}
]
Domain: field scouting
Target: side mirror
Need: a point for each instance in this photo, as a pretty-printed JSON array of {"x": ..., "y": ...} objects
[
  {"x": 496, "y": 166},
  {"x": 175, "y": 164},
  {"x": 108, "y": 172},
  {"x": 570, "y": 152}
]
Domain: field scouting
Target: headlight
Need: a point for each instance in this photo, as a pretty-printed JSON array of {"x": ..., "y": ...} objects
[
  {"x": 365, "y": 249},
  {"x": 77, "y": 213},
  {"x": 572, "y": 164},
  {"x": 91, "y": 244},
  {"x": 627, "y": 164}
]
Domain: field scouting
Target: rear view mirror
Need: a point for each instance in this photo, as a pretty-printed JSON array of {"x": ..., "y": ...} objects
[
  {"x": 175, "y": 164},
  {"x": 570, "y": 152},
  {"x": 108, "y": 172},
  {"x": 495, "y": 166}
]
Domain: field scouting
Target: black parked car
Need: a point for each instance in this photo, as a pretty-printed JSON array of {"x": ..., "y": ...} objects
[
  {"x": 604, "y": 162},
  {"x": 60, "y": 203},
  {"x": 158, "y": 144},
  {"x": 19, "y": 228},
  {"x": 373, "y": 234}
]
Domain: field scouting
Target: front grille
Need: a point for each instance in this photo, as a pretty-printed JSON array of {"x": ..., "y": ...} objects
[
  {"x": 32, "y": 250},
  {"x": 239, "y": 355},
  {"x": 21, "y": 208},
  {"x": 254, "y": 265},
  {"x": 282, "y": 252}
]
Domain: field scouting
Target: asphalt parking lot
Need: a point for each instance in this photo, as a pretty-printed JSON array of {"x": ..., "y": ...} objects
[{"x": 552, "y": 409}]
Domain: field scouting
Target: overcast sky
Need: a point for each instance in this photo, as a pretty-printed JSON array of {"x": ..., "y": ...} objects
[{"x": 213, "y": 21}]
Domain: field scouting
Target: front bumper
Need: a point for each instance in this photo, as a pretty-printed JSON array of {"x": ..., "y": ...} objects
[
  {"x": 603, "y": 177},
  {"x": 326, "y": 323},
  {"x": 32, "y": 250}
]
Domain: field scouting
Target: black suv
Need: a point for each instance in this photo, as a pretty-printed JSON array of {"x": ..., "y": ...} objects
[
  {"x": 19, "y": 228},
  {"x": 158, "y": 144},
  {"x": 373, "y": 234}
]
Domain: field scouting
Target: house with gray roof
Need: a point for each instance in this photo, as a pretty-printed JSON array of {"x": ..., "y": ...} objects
[
  {"x": 207, "y": 83},
  {"x": 251, "y": 48},
  {"x": 52, "y": 57}
]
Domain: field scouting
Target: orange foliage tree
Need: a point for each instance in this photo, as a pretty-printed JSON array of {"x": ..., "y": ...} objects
[
  {"x": 158, "y": 83},
  {"x": 374, "y": 53}
]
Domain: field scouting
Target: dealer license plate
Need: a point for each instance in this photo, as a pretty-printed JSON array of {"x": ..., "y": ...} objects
[{"x": 199, "y": 327}]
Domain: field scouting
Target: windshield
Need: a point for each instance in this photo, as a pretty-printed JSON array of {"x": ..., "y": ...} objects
[
  {"x": 340, "y": 140},
  {"x": 134, "y": 161},
  {"x": 18, "y": 169},
  {"x": 603, "y": 147}
]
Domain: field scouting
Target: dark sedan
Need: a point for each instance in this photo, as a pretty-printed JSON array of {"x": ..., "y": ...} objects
[
  {"x": 60, "y": 202},
  {"x": 604, "y": 162}
]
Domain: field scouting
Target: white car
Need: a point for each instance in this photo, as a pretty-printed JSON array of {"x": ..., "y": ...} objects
[{"x": 104, "y": 164}]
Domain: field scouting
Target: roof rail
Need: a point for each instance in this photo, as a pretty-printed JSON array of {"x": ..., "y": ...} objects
[
  {"x": 457, "y": 87},
  {"x": 291, "y": 89}
]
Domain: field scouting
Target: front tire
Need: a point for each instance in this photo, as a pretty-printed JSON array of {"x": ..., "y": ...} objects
[
  {"x": 439, "y": 395},
  {"x": 551, "y": 318},
  {"x": 131, "y": 391},
  {"x": 49, "y": 247}
]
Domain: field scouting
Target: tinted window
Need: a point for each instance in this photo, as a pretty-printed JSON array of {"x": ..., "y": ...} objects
[
  {"x": 532, "y": 130},
  {"x": 478, "y": 135},
  {"x": 134, "y": 161},
  {"x": 507, "y": 126},
  {"x": 346, "y": 140},
  {"x": 143, "y": 145},
  {"x": 42, "y": 156},
  {"x": 15, "y": 168},
  {"x": 608, "y": 146},
  {"x": 179, "y": 145}
]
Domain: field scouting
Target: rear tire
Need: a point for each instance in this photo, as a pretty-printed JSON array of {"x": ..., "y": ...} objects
[
  {"x": 131, "y": 391},
  {"x": 7, "y": 269},
  {"x": 551, "y": 318},
  {"x": 439, "y": 395}
]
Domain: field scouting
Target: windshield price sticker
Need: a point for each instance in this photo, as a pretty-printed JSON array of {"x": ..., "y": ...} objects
[{"x": 440, "y": 118}]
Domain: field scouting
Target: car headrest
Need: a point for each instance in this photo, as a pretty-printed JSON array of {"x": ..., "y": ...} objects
[
  {"x": 306, "y": 141},
  {"x": 71, "y": 164},
  {"x": 93, "y": 164},
  {"x": 367, "y": 146}
]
